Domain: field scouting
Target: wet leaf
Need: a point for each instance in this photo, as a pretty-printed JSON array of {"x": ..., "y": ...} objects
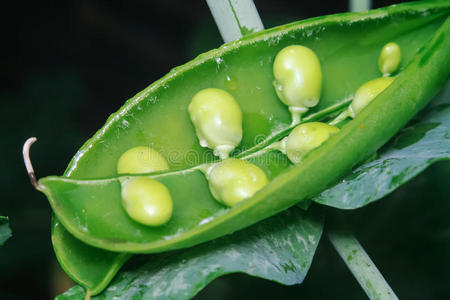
[
  {"x": 424, "y": 142},
  {"x": 280, "y": 249}
]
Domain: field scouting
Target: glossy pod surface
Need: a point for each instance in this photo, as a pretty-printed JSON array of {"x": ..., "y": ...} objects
[
  {"x": 92, "y": 268},
  {"x": 90, "y": 209},
  {"x": 347, "y": 46}
]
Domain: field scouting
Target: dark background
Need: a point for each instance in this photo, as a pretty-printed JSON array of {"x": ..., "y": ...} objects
[{"x": 67, "y": 65}]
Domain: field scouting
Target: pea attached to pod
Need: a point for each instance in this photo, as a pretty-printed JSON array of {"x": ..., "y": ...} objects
[
  {"x": 366, "y": 93},
  {"x": 363, "y": 96},
  {"x": 141, "y": 159},
  {"x": 388, "y": 62},
  {"x": 147, "y": 201},
  {"x": 233, "y": 180},
  {"x": 389, "y": 59},
  {"x": 303, "y": 139},
  {"x": 298, "y": 79},
  {"x": 217, "y": 119}
]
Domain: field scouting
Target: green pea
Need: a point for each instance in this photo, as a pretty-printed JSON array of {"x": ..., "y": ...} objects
[
  {"x": 304, "y": 138},
  {"x": 298, "y": 79},
  {"x": 363, "y": 96},
  {"x": 389, "y": 59},
  {"x": 217, "y": 119},
  {"x": 366, "y": 93},
  {"x": 141, "y": 160},
  {"x": 147, "y": 201},
  {"x": 234, "y": 180}
]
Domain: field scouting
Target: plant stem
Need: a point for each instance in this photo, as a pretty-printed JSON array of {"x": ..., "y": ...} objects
[
  {"x": 341, "y": 117},
  {"x": 360, "y": 5},
  {"x": 357, "y": 260},
  {"x": 27, "y": 161},
  {"x": 235, "y": 18}
]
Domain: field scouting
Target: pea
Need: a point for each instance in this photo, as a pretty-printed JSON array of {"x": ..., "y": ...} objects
[
  {"x": 304, "y": 138},
  {"x": 141, "y": 160},
  {"x": 366, "y": 93},
  {"x": 298, "y": 79},
  {"x": 217, "y": 118},
  {"x": 147, "y": 201},
  {"x": 389, "y": 59},
  {"x": 234, "y": 180},
  {"x": 363, "y": 96}
]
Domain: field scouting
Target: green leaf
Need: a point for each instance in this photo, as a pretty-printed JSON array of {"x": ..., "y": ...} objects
[
  {"x": 280, "y": 249},
  {"x": 415, "y": 148},
  {"x": 5, "y": 231}
]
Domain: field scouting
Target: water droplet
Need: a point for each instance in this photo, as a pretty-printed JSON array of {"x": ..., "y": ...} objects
[{"x": 231, "y": 83}]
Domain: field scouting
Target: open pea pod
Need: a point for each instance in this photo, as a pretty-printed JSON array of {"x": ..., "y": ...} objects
[
  {"x": 91, "y": 267},
  {"x": 347, "y": 46}
]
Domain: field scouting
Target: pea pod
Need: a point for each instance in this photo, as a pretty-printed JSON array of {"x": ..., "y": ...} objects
[
  {"x": 347, "y": 46},
  {"x": 91, "y": 267},
  {"x": 91, "y": 210}
]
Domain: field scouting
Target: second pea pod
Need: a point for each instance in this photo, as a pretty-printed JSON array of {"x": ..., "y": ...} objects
[{"x": 171, "y": 169}]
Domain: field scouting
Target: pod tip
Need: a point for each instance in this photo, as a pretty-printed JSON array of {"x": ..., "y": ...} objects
[{"x": 26, "y": 158}]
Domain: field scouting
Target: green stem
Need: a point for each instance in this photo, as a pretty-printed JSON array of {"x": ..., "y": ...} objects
[
  {"x": 357, "y": 260},
  {"x": 360, "y": 5},
  {"x": 280, "y": 146},
  {"x": 341, "y": 117},
  {"x": 235, "y": 18}
]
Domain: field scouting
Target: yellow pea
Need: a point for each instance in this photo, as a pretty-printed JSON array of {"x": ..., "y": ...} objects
[
  {"x": 304, "y": 138},
  {"x": 298, "y": 79},
  {"x": 141, "y": 160},
  {"x": 389, "y": 59},
  {"x": 363, "y": 96},
  {"x": 147, "y": 201},
  {"x": 217, "y": 119},
  {"x": 233, "y": 180},
  {"x": 367, "y": 92}
]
